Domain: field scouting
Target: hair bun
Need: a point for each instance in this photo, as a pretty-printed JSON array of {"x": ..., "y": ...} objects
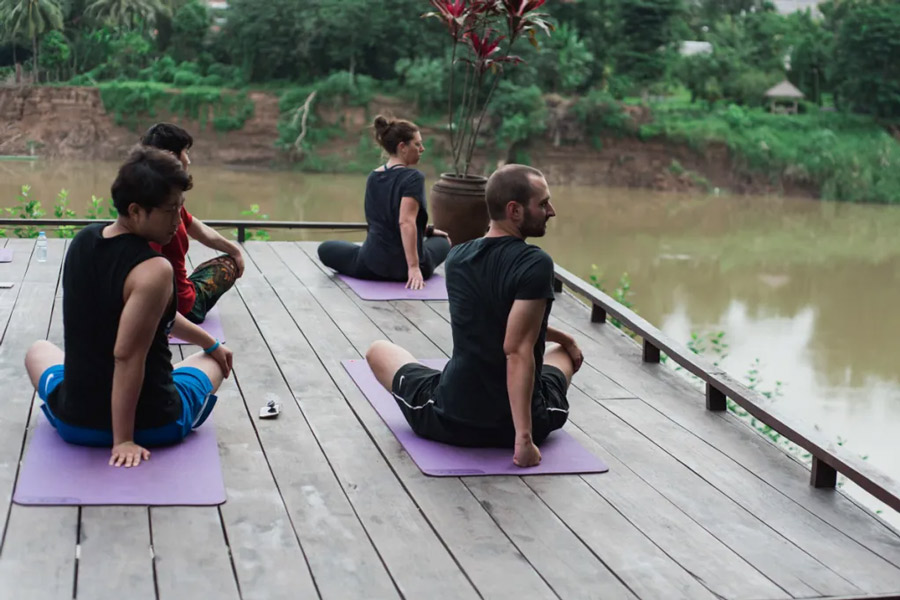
[{"x": 381, "y": 125}]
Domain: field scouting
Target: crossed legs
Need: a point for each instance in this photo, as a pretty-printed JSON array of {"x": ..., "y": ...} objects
[{"x": 43, "y": 355}]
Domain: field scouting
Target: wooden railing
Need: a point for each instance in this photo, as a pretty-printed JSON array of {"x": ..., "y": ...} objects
[
  {"x": 828, "y": 459},
  {"x": 241, "y": 225}
]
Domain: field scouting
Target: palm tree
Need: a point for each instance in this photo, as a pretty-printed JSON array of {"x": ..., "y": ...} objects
[
  {"x": 31, "y": 18},
  {"x": 125, "y": 13}
]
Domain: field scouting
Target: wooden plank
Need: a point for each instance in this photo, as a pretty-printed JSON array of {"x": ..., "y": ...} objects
[
  {"x": 116, "y": 556},
  {"x": 561, "y": 558},
  {"x": 30, "y": 533},
  {"x": 370, "y": 482},
  {"x": 622, "y": 547},
  {"x": 14, "y": 272},
  {"x": 266, "y": 553},
  {"x": 842, "y": 555},
  {"x": 716, "y": 566},
  {"x": 341, "y": 556},
  {"x": 38, "y": 559},
  {"x": 672, "y": 395},
  {"x": 791, "y": 568},
  {"x": 629, "y": 552},
  {"x": 190, "y": 553},
  {"x": 566, "y": 564}
]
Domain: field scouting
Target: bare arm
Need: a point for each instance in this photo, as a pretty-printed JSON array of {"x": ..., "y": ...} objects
[
  {"x": 409, "y": 209},
  {"x": 148, "y": 289},
  {"x": 523, "y": 326},
  {"x": 211, "y": 238}
]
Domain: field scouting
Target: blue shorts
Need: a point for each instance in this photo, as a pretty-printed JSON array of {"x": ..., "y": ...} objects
[{"x": 197, "y": 400}]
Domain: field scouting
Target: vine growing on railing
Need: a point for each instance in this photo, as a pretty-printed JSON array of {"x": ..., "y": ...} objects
[
  {"x": 260, "y": 234},
  {"x": 28, "y": 207}
]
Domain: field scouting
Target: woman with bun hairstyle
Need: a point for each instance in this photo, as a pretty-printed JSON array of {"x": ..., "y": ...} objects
[{"x": 400, "y": 246}]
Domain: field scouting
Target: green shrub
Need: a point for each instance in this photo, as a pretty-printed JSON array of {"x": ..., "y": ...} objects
[
  {"x": 127, "y": 101},
  {"x": 519, "y": 113},
  {"x": 601, "y": 114},
  {"x": 186, "y": 78},
  {"x": 423, "y": 82}
]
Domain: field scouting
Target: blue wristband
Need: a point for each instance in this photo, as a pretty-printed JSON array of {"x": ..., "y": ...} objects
[{"x": 212, "y": 348}]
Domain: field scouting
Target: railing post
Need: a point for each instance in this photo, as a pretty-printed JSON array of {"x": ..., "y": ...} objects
[
  {"x": 242, "y": 234},
  {"x": 822, "y": 475},
  {"x": 557, "y": 285},
  {"x": 598, "y": 314},
  {"x": 651, "y": 352},
  {"x": 715, "y": 399}
]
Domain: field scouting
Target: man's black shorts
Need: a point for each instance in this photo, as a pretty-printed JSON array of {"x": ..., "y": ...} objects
[{"x": 413, "y": 389}]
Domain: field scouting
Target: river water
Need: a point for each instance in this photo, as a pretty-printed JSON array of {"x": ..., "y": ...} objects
[{"x": 804, "y": 291}]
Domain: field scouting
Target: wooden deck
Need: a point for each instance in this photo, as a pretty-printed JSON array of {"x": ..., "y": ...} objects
[{"x": 323, "y": 502}]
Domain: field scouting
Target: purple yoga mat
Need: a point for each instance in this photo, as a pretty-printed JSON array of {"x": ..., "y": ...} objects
[
  {"x": 435, "y": 289},
  {"x": 211, "y": 325},
  {"x": 58, "y": 473},
  {"x": 560, "y": 452},
  {"x": 6, "y": 255}
]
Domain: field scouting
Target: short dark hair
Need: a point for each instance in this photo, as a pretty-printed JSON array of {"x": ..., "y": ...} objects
[
  {"x": 509, "y": 183},
  {"x": 167, "y": 136},
  {"x": 147, "y": 178},
  {"x": 390, "y": 133}
]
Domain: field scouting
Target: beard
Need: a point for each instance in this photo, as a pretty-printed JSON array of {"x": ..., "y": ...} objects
[{"x": 533, "y": 226}]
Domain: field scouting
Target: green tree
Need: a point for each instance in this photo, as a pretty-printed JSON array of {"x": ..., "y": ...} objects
[
  {"x": 867, "y": 59},
  {"x": 644, "y": 47},
  {"x": 31, "y": 18},
  {"x": 190, "y": 26},
  {"x": 562, "y": 64},
  {"x": 810, "y": 61},
  {"x": 55, "y": 52},
  {"x": 125, "y": 13},
  {"x": 597, "y": 25}
]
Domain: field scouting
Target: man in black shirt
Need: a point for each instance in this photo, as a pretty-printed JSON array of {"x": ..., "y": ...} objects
[{"x": 502, "y": 387}]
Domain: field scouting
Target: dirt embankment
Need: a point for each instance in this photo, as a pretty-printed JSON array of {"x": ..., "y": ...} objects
[{"x": 71, "y": 122}]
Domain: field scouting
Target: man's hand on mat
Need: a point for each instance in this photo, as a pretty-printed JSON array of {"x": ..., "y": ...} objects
[
  {"x": 574, "y": 353},
  {"x": 128, "y": 454},
  {"x": 239, "y": 261},
  {"x": 223, "y": 355},
  {"x": 415, "y": 281},
  {"x": 526, "y": 453}
]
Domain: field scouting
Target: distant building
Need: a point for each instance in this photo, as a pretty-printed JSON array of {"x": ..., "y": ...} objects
[{"x": 690, "y": 48}]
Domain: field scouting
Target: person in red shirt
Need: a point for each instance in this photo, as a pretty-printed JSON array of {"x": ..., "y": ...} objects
[{"x": 199, "y": 291}]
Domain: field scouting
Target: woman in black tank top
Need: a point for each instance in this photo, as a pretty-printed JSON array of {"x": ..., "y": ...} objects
[{"x": 399, "y": 246}]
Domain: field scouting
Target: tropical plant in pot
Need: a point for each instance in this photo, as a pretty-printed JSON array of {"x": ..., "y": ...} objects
[{"x": 482, "y": 36}]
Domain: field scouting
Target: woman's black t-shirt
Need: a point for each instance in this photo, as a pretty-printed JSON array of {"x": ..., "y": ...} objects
[
  {"x": 93, "y": 284},
  {"x": 382, "y": 252}
]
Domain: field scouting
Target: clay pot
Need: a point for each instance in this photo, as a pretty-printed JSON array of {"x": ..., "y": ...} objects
[{"x": 458, "y": 206}]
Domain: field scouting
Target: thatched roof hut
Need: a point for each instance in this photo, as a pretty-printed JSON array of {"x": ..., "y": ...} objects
[{"x": 784, "y": 97}]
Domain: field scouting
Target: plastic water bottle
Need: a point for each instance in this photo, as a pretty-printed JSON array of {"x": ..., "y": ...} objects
[{"x": 42, "y": 247}]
